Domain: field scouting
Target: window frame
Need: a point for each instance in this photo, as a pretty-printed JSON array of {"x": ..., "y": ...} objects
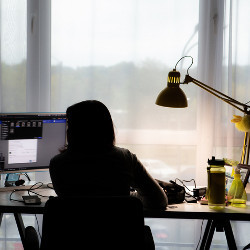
[{"x": 38, "y": 55}]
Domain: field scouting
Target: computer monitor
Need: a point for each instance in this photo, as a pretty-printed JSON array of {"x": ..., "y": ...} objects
[{"x": 29, "y": 140}]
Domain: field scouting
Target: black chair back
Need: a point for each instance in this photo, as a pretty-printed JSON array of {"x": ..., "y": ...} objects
[{"x": 77, "y": 223}]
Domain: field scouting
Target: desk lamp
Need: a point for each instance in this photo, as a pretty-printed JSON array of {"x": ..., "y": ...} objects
[{"x": 174, "y": 97}]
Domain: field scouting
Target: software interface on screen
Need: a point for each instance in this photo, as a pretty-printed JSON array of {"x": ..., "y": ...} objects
[{"x": 29, "y": 141}]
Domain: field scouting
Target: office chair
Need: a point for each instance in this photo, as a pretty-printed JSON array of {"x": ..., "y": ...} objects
[{"x": 75, "y": 223}]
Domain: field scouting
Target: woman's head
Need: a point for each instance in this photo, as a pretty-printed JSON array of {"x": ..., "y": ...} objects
[{"x": 90, "y": 125}]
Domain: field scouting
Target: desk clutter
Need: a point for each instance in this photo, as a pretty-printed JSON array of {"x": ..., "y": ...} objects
[
  {"x": 177, "y": 193},
  {"x": 220, "y": 192},
  {"x": 32, "y": 197},
  {"x": 187, "y": 208},
  {"x": 26, "y": 185}
]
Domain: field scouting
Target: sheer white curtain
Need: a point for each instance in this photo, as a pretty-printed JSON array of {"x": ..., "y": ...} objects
[
  {"x": 223, "y": 64},
  {"x": 210, "y": 51}
]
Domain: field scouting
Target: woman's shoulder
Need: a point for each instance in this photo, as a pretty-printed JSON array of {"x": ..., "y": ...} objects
[
  {"x": 124, "y": 153},
  {"x": 120, "y": 150}
]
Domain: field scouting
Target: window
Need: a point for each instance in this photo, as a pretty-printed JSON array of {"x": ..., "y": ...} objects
[
  {"x": 120, "y": 52},
  {"x": 13, "y": 44}
]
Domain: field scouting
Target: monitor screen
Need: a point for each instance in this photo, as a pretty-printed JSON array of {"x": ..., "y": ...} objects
[{"x": 28, "y": 141}]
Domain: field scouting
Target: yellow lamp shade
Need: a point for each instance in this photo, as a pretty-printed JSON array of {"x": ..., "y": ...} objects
[{"x": 172, "y": 96}]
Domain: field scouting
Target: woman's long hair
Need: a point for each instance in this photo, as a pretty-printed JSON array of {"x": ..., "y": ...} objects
[{"x": 90, "y": 126}]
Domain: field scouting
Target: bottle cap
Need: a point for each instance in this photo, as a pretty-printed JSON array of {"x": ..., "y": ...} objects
[{"x": 215, "y": 162}]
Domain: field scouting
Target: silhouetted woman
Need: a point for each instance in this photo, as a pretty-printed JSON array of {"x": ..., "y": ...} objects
[{"x": 93, "y": 165}]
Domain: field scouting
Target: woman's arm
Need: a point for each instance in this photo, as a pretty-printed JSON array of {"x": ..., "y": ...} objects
[{"x": 148, "y": 189}]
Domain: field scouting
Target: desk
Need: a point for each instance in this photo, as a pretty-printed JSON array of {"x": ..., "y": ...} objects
[
  {"x": 18, "y": 208},
  {"x": 219, "y": 220},
  {"x": 181, "y": 211}
]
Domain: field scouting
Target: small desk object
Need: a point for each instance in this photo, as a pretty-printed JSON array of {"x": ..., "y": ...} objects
[{"x": 216, "y": 219}]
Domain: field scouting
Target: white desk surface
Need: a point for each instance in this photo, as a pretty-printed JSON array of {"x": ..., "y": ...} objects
[{"x": 182, "y": 211}]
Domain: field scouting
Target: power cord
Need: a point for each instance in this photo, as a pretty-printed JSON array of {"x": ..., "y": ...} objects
[
  {"x": 188, "y": 196},
  {"x": 27, "y": 176},
  {"x": 182, "y": 182},
  {"x": 30, "y": 190},
  {"x": 51, "y": 187},
  {"x": 38, "y": 228},
  {"x": 200, "y": 235},
  {"x": 13, "y": 193}
]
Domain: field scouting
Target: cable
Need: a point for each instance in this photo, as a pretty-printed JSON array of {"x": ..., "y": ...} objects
[
  {"x": 190, "y": 64},
  {"x": 15, "y": 199},
  {"x": 33, "y": 192},
  {"x": 187, "y": 195},
  {"x": 182, "y": 182},
  {"x": 200, "y": 235},
  {"x": 27, "y": 176},
  {"x": 45, "y": 196},
  {"x": 30, "y": 190},
  {"x": 51, "y": 187},
  {"x": 38, "y": 228}
]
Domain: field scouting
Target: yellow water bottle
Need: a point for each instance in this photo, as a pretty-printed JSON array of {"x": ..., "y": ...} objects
[
  {"x": 237, "y": 196},
  {"x": 216, "y": 183}
]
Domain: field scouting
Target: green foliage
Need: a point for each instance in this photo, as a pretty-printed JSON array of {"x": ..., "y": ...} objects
[{"x": 129, "y": 90}]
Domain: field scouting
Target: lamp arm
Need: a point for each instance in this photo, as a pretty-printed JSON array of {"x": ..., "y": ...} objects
[
  {"x": 245, "y": 166},
  {"x": 218, "y": 94}
]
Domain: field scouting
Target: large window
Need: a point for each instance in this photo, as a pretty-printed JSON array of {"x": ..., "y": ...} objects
[
  {"x": 58, "y": 52},
  {"x": 120, "y": 52}
]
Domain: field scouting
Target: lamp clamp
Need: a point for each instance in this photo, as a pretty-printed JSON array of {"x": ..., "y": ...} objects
[{"x": 188, "y": 79}]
